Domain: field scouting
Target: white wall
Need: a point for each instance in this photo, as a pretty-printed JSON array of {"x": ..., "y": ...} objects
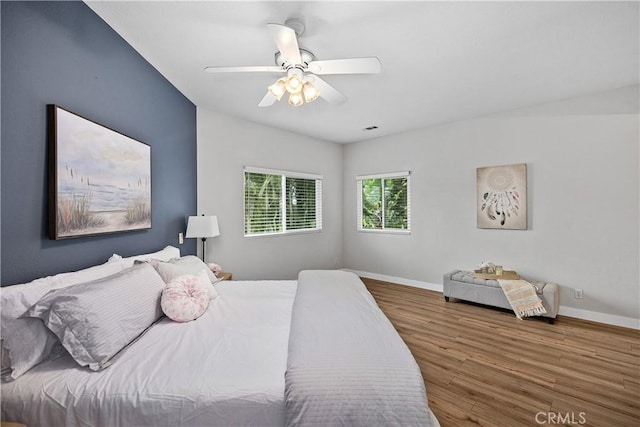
[
  {"x": 225, "y": 146},
  {"x": 583, "y": 197}
]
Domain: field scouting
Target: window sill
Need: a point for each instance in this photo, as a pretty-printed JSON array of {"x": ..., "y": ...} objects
[
  {"x": 283, "y": 233},
  {"x": 385, "y": 231}
]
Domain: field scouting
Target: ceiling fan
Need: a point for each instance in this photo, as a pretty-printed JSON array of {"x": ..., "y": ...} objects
[{"x": 301, "y": 69}]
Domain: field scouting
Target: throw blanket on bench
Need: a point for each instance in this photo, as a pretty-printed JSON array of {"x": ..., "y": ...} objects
[
  {"x": 347, "y": 365},
  {"x": 523, "y": 298}
]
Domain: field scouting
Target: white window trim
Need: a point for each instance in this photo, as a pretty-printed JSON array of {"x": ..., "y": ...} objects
[
  {"x": 383, "y": 175},
  {"x": 284, "y": 233},
  {"x": 289, "y": 174},
  {"x": 359, "y": 179},
  {"x": 283, "y": 194}
]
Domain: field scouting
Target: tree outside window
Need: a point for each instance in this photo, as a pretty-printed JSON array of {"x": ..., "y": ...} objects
[
  {"x": 383, "y": 202},
  {"x": 262, "y": 194}
]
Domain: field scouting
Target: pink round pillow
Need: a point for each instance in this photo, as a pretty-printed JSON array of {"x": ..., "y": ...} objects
[{"x": 186, "y": 298}]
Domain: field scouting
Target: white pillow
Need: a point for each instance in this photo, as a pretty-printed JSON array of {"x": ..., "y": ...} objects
[
  {"x": 28, "y": 341},
  {"x": 166, "y": 254},
  {"x": 95, "y": 320},
  {"x": 186, "y": 298},
  {"x": 179, "y": 267}
]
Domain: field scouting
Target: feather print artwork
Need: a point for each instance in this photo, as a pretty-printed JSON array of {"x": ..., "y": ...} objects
[{"x": 502, "y": 195}]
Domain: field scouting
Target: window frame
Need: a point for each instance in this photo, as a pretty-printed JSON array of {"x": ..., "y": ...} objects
[
  {"x": 359, "y": 202},
  {"x": 284, "y": 174}
]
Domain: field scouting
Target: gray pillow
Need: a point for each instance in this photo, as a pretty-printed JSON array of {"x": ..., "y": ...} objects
[
  {"x": 177, "y": 267},
  {"x": 95, "y": 320}
]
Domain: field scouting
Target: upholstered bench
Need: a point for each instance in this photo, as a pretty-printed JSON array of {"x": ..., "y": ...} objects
[{"x": 465, "y": 286}]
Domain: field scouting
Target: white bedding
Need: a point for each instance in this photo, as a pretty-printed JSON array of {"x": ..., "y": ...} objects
[{"x": 226, "y": 368}]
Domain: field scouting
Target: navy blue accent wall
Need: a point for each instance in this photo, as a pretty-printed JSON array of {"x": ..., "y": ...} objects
[{"x": 63, "y": 53}]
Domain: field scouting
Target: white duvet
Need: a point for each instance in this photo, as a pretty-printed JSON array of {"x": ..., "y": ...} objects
[{"x": 224, "y": 369}]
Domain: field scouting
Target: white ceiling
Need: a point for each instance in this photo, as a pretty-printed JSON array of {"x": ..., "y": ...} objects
[{"x": 441, "y": 61}]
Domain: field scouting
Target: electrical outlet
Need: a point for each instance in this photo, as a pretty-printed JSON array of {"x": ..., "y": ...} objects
[
  {"x": 180, "y": 238},
  {"x": 578, "y": 294}
]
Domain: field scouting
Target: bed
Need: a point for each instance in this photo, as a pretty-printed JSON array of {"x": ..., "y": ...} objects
[{"x": 260, "y": 355}]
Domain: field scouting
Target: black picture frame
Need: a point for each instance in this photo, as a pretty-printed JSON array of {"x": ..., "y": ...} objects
[{"x": 99, "y": 180}]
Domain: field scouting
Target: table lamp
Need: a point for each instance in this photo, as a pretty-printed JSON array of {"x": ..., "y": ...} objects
[{"x": 203, "y": 227}]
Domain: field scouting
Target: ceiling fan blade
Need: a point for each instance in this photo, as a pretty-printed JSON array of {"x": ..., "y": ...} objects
[
  {"x": 328, "y": 92},
  {"x": 256, "y": 69},
  {"x": 346, "y": 66},
  {"x": 268, "y": 100},
  {"x": 287, "y": 43}
]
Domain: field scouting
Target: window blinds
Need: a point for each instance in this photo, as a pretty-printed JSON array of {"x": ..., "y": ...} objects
[{"x": 281, "y": 201}]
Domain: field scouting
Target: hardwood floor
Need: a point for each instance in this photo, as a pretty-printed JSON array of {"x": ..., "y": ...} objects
[{"x": 482, "y": 366}]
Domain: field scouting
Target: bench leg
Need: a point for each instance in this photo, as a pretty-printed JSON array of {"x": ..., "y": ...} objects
[
  {"x": 446, "y": 299},
  {"x": 550, "y": 320}
]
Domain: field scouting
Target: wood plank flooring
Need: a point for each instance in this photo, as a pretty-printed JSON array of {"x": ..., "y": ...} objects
[{"x": 482, "y": 366}]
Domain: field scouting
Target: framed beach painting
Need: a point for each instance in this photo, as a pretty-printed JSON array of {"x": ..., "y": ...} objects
[
  {"x": 99, "y": 179},
  {"x": 502, "y": 197}
]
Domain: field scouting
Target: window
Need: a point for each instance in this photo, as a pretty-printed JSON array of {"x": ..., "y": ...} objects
[
  {"x": 383, "y": 202},
  {"x": 277, "y": 202}
]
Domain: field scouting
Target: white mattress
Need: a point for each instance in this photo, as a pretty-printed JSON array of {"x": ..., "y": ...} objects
[{"x": 226, "y": 368}]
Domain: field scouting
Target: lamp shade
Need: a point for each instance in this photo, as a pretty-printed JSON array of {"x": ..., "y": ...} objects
[
  {"x": 310, "y": 92},
  {"x": 202, "y": 226},
  {"x": 278, "y": 88}
]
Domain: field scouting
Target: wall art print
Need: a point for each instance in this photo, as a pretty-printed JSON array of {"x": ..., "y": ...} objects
[
  {"x": 502, "y": 197},
  {"x": 99, "y": 179}
]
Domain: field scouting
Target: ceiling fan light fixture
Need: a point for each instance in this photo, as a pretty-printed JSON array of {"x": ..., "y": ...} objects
[
  {"x": 278, "y": 88},
  {"x": 310, "y": 92},
  {"x": 295, "y": 99},
  {"x": 294, "y": 80},
  {"x": 302, "y": 69}
]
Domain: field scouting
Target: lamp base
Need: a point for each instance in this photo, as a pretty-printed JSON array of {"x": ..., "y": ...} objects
[{"x": 204, "y": 239}]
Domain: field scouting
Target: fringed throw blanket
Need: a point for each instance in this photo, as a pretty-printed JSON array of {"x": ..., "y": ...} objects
[{"x": 522, "y": 297}]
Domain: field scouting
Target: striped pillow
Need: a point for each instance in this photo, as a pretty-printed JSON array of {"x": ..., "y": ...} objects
[
  {"x": 97, "y": 319},
  {"x": 28, "y": 341},
  {"x": 180, "y": 266}
]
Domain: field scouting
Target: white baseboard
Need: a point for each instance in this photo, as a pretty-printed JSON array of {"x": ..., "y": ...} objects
[
  {"x": 594, "y": 316},
  {"x": 398, "y": 280}
]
